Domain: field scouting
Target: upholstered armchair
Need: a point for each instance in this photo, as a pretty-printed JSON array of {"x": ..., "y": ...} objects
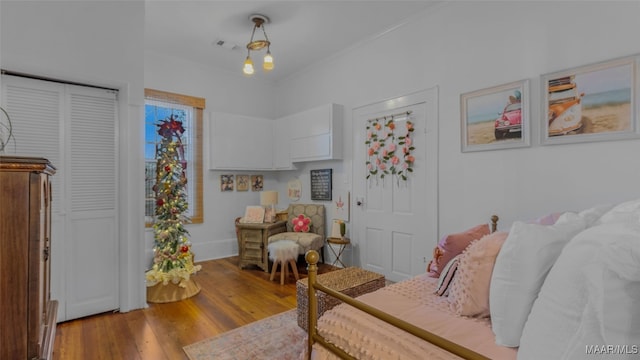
[{"x": 311, "y": 240}]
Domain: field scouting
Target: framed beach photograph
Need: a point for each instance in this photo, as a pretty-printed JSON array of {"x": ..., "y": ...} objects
[
  {"x": 594, "y": 102},
  {"x": 226, "y": 182},
  {"x": 496, "y": 117},
  {"x": 242, "y": 182}
]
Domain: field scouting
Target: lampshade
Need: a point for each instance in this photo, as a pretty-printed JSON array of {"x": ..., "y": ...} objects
[
  {"x": 256, "y": 45},
  {"x": 268, "y": 198}
]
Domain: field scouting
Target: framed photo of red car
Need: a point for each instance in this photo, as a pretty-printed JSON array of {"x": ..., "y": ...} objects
[
  {"x": 495, "y": 118},
  {"x": 594, "y": 102}
]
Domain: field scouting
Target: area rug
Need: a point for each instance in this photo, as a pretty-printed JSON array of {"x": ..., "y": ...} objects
[{"x": 275, "y": 337}]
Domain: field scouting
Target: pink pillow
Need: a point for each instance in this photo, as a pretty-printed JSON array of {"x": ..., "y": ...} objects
[
  {"x": 301, "y": 223},
  {"x": 469, "y": 292},
  {"x": 452, "y": 245}
]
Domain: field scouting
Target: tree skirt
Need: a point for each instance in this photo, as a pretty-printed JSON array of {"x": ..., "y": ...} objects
[
  {"x": 276, "y": 337},
  {"x": 159, "y": 293}
]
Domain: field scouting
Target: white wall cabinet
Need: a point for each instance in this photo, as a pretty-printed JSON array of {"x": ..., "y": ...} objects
[
  {"x": 241, "y": 142},
  {"x": 250, "y": 143},
  {"x": 316, "y": 134}
]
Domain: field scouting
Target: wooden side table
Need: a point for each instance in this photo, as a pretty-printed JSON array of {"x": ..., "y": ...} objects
[
  {"x": 253, "y": 241},
  {"x": 342, "y": 244}
]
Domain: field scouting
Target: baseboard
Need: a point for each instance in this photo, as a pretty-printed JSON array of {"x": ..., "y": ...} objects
[{"x": 208, "y": 251}]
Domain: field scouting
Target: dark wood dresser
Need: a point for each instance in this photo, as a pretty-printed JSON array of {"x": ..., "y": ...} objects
[{"x": 27, "y": 314}]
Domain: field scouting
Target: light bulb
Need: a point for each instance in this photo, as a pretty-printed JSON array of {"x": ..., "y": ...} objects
[
  {"x": 248, "y": 66},
  {"x": 267, "y": 65}
]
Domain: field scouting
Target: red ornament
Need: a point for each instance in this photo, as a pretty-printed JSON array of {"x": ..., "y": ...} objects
[
  {"x": 184, "y": 248},
  {"x": 167, "y": 168},
  {"x": 160, "y": 202}
]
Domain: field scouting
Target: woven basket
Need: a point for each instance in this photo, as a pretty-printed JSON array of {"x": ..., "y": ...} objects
[{"x": 350, "y": 281}]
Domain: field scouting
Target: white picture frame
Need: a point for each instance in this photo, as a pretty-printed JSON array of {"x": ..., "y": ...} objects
[
  {"x": 480, "y": 110},
  {"x": 596, "y": 102}
]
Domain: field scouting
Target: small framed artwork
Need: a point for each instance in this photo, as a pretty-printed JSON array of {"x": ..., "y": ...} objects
[
  {"x": 496, "y": 117},
  {"x": 294, "y": 189},
  {"x": 341, "y": 205},
  {"x": 253, "y": 215},
  {"x": 257, "y": 182},
  {"x": 321, "y": 184},
  {"x": 242, "y": 182},
  {"x": 226, "y": 182},
  {"x": 591, "y": 103}
]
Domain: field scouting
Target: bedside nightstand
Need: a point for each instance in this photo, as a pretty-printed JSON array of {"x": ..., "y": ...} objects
[{"x": 252, "y": 244}]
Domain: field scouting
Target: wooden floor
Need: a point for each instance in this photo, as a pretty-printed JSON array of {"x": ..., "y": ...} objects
[{"x": 229, "y": 298}]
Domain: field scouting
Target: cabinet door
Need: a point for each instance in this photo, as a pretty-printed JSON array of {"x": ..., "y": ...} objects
[
  {"x": 252, "y": 244},
  {"x": 282, "y": 144},
  {"x": 240, "y": 142},
  {"x": 316, "y": 134}
]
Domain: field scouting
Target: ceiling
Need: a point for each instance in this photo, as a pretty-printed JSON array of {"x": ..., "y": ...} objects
[{"x": 301, "y": 32}]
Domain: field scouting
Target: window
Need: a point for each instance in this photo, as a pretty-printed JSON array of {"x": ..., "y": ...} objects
[{"x": 158, "y": 106}]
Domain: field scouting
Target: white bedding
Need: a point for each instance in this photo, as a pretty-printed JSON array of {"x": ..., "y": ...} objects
[{"x": 414, "y": 301}]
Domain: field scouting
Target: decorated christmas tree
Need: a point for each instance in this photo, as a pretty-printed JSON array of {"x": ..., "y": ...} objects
[{"x": 172, "y": 256}]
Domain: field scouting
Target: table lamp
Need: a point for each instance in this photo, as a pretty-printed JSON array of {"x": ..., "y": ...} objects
[{"x": 269, "y": 199}]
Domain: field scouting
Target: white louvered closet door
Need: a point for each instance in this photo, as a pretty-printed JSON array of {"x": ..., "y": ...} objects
[
  {"x": 74, "y": 127},
  {"x": 92, "y": 272}
]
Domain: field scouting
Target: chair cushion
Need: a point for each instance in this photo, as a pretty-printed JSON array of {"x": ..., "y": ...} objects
[{"x": 306, "y": 241}]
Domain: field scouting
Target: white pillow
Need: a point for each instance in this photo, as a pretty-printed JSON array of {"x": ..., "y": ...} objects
[
  {"x": 590, "y": 297},
  {"x": 593, "y": 215},
  {"x": 521, "y": 267},
  {"x": 625, "y": 212}
]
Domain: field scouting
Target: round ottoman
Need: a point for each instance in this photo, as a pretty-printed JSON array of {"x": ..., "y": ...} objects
[{"x": 281, "y": 253}]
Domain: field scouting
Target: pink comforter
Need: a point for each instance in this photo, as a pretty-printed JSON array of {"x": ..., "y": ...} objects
[{"x": 413, "y": 301}]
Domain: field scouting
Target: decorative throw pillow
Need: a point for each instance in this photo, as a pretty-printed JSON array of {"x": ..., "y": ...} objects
[
  {"x": 446, "y": 276},
  {"x": 521, "y": 267},
  {"x": 301, "y": 223},
  {"x": 469, "y": 294},
  {"x": 452, "y": 245}
]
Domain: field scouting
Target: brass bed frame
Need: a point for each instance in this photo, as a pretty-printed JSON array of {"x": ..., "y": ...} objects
[{"x": 312, "y": 258}]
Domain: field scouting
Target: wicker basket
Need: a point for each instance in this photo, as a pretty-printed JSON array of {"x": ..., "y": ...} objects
[{"x": 350, "y": 281}]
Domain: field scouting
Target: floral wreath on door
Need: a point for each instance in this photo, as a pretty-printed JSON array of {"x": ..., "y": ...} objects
[{"x": 389, "y": 148}]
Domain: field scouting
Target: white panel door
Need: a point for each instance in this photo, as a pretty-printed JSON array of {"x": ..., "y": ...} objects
[
  {"x": 396, "y": 221},
  {"x": 73, "y": 127}
]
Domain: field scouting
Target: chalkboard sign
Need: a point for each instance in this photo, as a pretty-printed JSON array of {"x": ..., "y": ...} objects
[{"x": 321, "y": 184}]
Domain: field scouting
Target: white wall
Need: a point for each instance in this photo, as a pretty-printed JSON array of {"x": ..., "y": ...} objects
[
  {"x": 466, "y": 46},
  {"x": 227, "y": 93},
  {"x": 459, "y": 46},
  {"x": 100, "y": 43}
]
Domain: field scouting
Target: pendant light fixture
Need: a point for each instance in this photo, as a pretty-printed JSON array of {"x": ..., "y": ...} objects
[{"x": 256, "y": 45}]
